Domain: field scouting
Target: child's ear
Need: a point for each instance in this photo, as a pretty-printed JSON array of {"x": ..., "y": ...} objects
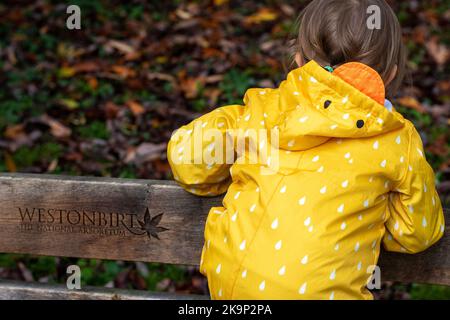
[
  {"x": 392, "y": 75},
  {"x": 298, "y": 59}
]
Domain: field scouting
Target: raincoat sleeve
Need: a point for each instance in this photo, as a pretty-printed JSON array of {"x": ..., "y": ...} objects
[
  {"x": 200, "y": 155},
  {"x": 416, "y": 219}
]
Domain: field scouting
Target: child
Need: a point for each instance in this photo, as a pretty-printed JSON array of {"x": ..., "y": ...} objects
[{"x": 350, "y": 173}]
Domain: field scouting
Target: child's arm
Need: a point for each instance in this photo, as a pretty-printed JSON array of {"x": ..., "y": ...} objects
[
  {"x": 416, "y": 218},
  {"x": 207, "y": 135}
]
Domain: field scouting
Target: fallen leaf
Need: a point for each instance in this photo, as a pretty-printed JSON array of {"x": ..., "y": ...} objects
[
  {"x": 11, "y": 55},
  {"x": 111, "y": 110},
  {"x": 142, "y": 268},
  {"x": 137, "y": 280},
  {"x": 164, "y": 284},
  {"x": 66, "y": 72},
  {"x": 183, "y": 14},
  {"x": 439, "y": 146},
  {"x": 57, "y": 129},
  {"x": 163, "y": 77},
  {"x": 14, "y": 132},
  {"x": 268, "y": 45},
  {"x": 26, "y": 273},
  {"x": 87, "y": 66},
  {"x": 263, "y": 15},
  {"x": 69, "y": 103},
  {"x": 148, "y": 152},
  {"x": 121, "y": 46},
  {"x": 123, "y": 71},
  {"x": 209, "y": 52},
  {"x": 440, "y": 112},
  {"x": 190, "y": 86},
  {"x": 73, "y": 156},
  {"x": 444, "y": 85},
  {"x": 130, "y": 155},
  {"x": 214, "y": 78},
  {"x": 287, "y": 10},
  {"x": 135, "y": 107},
  {"x": 53, "y": 165},
  {"x": 419, "y": 34},
  {"x": 161, "y": 59},
  {"x": 93, "y": 83},
  {"x": 9, "y": 162},
  {"x": 439, "y": 52},
  {"x": 213, "y": 95},
  {"x": 411, "y": 102},
  {"x": 161, "y": 166},
  {"x": 220, "y": 2}
]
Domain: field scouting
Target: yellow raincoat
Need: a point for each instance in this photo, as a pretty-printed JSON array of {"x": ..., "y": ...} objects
[{"x": 351, "y": 175}]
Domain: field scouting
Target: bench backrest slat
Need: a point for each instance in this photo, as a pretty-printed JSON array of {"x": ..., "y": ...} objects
[{"x": 139, "y": 220}]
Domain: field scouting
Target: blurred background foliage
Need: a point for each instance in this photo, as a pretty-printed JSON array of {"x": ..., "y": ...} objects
[{"x": 104, "y": 100}]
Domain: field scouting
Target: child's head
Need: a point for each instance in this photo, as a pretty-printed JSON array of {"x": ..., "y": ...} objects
[{"x": 333, "y": 32}]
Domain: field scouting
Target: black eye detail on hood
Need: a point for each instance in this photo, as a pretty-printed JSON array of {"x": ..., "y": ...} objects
[
  {"x": 360, "y": 123},
  {"x": 327, "y": 104}
]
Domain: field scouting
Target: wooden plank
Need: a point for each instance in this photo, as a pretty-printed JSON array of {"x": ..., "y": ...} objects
[
  {"x": 109, "y": 227},
  {"x": 15, "y": 290},
  {"x": 101, "y": 218}
]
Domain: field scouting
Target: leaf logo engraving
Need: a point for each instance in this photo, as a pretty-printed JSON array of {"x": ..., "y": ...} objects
[{"x": 151, "y": 225}]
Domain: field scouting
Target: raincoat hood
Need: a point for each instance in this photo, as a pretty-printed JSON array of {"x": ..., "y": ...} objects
[{"x": 313, "y": 105}]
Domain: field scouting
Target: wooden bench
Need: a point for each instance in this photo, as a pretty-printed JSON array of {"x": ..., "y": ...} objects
[{"x": 134, "y": 220}]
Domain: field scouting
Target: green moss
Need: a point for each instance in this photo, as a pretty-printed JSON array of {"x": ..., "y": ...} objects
[
  {"x": 429, "y": 292},
  {"x": 26, "y": 156},
  {"x": 234, "y": 85},
  {"x": 96, "y": 129}
]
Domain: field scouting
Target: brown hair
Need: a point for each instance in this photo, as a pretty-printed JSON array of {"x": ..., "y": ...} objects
[{"x": 333, "y": 32}]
